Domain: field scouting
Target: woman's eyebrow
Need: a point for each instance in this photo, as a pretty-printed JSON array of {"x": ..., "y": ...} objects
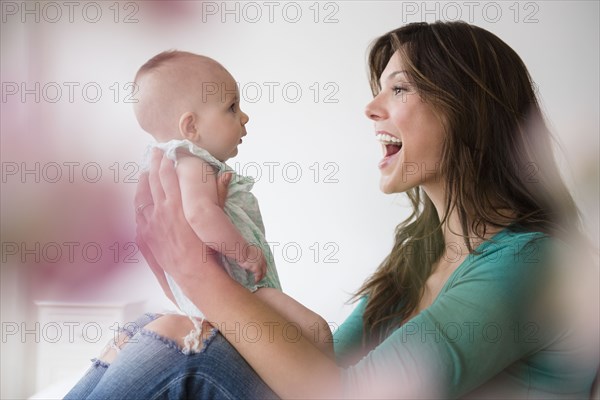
[{"x": 394, "y": 74}]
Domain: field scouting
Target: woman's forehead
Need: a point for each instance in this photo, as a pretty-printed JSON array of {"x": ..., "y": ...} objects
[{"x": 393, "y": 69}]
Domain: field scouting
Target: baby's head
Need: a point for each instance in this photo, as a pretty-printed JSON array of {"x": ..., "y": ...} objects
[{"x": 183, "y": 95}]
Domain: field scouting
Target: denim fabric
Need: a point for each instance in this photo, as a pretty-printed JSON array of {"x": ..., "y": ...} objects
[{"x": 153, "y": 367}]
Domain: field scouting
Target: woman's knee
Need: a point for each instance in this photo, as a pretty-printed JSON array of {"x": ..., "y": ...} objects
[
  {"x": 124, "y": 335},
  {"x": 177, "y": 327},
  {"x": 172, "y": 327}
]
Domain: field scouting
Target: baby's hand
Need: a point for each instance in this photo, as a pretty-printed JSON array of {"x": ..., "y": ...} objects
[{"x": 255, "y": 262}]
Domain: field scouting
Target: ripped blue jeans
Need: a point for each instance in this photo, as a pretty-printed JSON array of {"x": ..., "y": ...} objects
[{"x": 153, "y": 367}]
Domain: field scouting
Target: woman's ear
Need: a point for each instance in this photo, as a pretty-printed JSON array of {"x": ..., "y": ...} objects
[{"x": 188, "y": 126}]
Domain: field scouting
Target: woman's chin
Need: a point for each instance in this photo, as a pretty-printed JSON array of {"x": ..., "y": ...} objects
[
  {"x": 386, "y": 186},
  {"x": 389, "y": 185}
]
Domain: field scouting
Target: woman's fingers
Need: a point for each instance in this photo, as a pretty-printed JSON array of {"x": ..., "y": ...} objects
[
  {"x": 143, "y": 196},
  {"x": 155, "y": 267},
  {"x": 156, "y": 189},
  {"x": 223, "y": 187},
  {"x": 169, "y": 181},
  {"x": 142, "y": 193}
]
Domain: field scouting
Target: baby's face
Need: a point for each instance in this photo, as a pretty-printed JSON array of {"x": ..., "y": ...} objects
[
  {"x": 220, "y": 121},
  {"x": 192, "y": 98}
]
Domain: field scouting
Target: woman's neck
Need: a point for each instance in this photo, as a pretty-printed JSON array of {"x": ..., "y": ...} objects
[{"x": 455, "y": 243}]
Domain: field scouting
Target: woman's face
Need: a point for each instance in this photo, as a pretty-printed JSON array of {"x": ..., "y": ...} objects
[{"x": 410, "y": 132}]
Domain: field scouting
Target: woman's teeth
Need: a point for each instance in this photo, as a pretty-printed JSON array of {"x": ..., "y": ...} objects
[{"x": 387, "y": 139}]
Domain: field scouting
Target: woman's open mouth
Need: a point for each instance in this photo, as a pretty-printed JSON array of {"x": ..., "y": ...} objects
[
  {"x": 391, "y": 149},
  {"x": 392, "y": 146}
]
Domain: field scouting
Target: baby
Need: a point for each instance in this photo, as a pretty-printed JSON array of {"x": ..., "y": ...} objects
[{"x": 190, "y": 104}]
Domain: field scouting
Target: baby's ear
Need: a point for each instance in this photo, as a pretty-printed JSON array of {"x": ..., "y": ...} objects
[{"x": 187, "y": 126}]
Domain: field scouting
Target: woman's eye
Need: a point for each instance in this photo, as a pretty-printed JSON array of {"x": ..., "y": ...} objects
[{"x": 398, "y": 89}]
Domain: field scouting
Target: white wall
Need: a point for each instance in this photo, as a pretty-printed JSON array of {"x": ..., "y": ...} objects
[{"x": 348, "y": 218}]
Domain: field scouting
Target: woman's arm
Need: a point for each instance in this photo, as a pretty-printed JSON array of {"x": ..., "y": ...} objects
[
  {"x": 312, "y": 325},
  {"x": 291, "y": 365}
]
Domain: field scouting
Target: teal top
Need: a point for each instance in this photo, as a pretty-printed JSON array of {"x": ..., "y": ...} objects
[{"x": 480, "y": 338}]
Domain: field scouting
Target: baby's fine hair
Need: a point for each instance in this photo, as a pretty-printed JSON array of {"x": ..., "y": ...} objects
[{"x": 164, "y": 58}]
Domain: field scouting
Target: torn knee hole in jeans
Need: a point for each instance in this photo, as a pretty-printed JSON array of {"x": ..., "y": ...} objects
[
  {"x": 194, "y": 342},
  {"x": 125, "y": 333},
  {"x": 111, "y": 350}
]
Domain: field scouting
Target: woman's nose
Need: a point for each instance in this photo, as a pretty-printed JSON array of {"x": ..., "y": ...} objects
[{"x": 374, "y": 111}]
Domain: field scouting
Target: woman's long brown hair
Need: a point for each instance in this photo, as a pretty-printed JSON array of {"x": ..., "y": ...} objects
[{"x": 497, "y": 157}]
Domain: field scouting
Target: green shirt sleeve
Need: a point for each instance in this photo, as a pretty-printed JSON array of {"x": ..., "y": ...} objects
[
  {"x": 479, "y": 325},
  {"x": 347, "y": 339}
]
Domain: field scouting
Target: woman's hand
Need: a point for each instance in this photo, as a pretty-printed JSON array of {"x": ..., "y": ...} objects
[
  {"x": 164, "y": 236},
  {"x": 143, "y": 199}
]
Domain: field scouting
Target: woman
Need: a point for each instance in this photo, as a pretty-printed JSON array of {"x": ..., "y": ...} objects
[{"x": 460, "y": 307}]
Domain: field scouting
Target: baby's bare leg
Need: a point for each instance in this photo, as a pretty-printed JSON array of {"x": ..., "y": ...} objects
[{"x": 314, "y": 327}]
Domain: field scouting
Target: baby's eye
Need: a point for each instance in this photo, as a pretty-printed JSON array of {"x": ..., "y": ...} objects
[{"x": 233, "y": 107}]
